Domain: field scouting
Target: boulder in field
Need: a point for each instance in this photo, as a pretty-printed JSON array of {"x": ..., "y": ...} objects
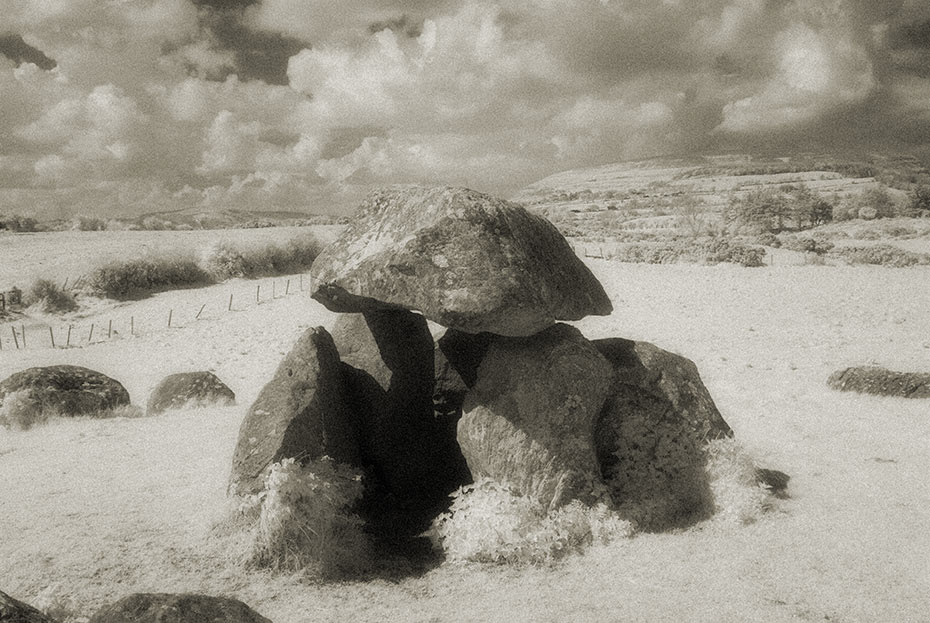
[
  {"x": 463, "y": 259},
  {"x": 667, "y": 375},
  {"x": 67, "y": 390},
  {"x": 528, "y": 422},
  {"x": 189, "y": 389},
  {"x": 881, "y": 382},
  {"x": 15, "y": 611},
  {"x": 177, "y": 608},
  {"x": 301, "y": 413}
]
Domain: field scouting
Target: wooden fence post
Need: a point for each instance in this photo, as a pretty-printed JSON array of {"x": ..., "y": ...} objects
[
  {"x": 68, "y": 343},
  {"x": 170, "y": 312},
  {"x": 110, "y": 329},
  {"x": 23, "y": 327},
  {"x": 287, "y": 287},
  {"x": 90, "y": 335},
  {"x": 51, "y": 334},
  {"x": 15, "y": 337},
  {"x": 258, "y": 290},
  {"x": 229, "y": 307},
  {"x": 200, "y": 312}
]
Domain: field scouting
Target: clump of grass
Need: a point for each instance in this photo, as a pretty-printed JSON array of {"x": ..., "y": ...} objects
[
  {"x": 303, "y": 521},
  {"x": 226, "y": 260},
  {"x": 49, "y": 297},
  {"x": 140, "y": 277},
  {"x": 20, "y": 410},
  {"x": 734, "y": 483},
  {"x": 487, "y": 523}
]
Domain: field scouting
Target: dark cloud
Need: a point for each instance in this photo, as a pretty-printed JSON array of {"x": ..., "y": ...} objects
[
  {"x": 14, "y": 48},
  {"x": 259, "y": 55},
  {"x": 404, "y": 24}
]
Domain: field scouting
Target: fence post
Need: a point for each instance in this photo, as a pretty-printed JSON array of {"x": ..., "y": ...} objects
[
  {"x": 23, "y": 327},
  {"x": 273, "y": 284},
  {"x": 229, "y": 307},
  {"x": 258, "y": 290},
  {"x": 200, "y": 312},
  {"x": 15, "y": 337},
  {"x": 132, "y": 325},
  {"x": 170, "y": 312},
  {"x": 51, "y": 334},
  {"x": 110, "y": 329},
  {"x": 287, "y": 287},
  {"x": 90, "y": 335},
  {"x": 68, "y": 343}
]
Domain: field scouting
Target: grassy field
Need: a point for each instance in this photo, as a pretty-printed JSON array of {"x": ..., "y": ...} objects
[{"x": 94, "y": 510}]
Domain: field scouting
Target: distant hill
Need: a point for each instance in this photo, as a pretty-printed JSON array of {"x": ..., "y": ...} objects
[
  {"x": 710, "y": 180},
  {"x": 193, "y": 219}
]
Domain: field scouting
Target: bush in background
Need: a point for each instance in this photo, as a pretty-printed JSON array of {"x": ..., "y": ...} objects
[
  {"x": 226, "y": 260},
  {"x": 88, "y": 223},
  {"x": 710, "y": 251},
  {"x": 304, "y": 521},
  {"x": 49, "y": 297},
  {"x": 487, "y": 523},
  {"x": 140, "y": 277},
  {"x": 882, "y": 254},
  {"x": 804, "y": 244}
]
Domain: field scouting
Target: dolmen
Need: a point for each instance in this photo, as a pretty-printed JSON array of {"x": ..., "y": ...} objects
[{"x": 508, "y": 392}]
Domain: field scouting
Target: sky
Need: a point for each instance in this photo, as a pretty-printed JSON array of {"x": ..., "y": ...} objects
[{"x": 115, "y": 107}]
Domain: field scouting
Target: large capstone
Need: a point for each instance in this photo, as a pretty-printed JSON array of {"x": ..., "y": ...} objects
[
  {"x": 528, "y": 422},
  {"x": 66, "y": 390},
  {"x": 463, "y": 259},
  {"x": 301, "y": 413}
]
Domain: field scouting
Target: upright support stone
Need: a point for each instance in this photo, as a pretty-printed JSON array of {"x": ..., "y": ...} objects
[{"x": 528, "y": 422}]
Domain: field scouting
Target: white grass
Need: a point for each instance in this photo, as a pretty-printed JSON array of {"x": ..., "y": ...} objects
[{"x": 108, "y": 507}]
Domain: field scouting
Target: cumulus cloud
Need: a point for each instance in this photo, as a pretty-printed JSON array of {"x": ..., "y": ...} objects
[{"x": 307, "y": 104}]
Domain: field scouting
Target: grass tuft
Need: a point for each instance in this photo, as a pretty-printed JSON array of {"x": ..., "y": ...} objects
[
  {"x": 49, "y": 297},
  {"x": 140, "y": 277},
  {"x": 226, "y": 260}
]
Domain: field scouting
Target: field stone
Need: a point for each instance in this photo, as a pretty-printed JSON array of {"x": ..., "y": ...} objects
[
  {"x": 301, "y": 413},
  {"x": 882, "y": 382},
  {"x": 15, "y": 611},
  {"x": 388, "y": 365},
  {"x": 528, "y": 422},
  {"x": 67, "y": 390},
  {"x": 177, "y": 608},
  {"x": 187, "y": 389},
  {"x": 463, "y": 259},
  {"x": 669, "y": 376}
]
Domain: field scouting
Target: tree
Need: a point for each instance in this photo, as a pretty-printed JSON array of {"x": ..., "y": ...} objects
[
  {"x": 764, "y": 210},
  {"x": 920, "y": 200},
  {"x": 879, "y": 199}
]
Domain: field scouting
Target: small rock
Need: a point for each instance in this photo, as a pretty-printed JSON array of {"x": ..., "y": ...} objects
[
  {"x": 177, "y": 608},
  {"x": 189, "y": 389},
  {"x": 881, "y": 382}
]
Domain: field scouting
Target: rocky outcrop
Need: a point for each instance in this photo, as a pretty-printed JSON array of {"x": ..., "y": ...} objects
[
  {"x": 463, "y": 259},
  {"x": 177, "y": 608},
  {"x": 529, "y": 420},
  {"x": 881, "y": 382},
  {"x": 301, "y": 413},
  {"x": 189, "y": 389},
  {"x": 15, "y": 611},
  {"x": 67, "y": 390}
]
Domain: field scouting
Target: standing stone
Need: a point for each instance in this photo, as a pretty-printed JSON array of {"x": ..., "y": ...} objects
[
  {"x": 301, "y": 413},
  {"x": 528, "y": 422},
  {"x": 388, "y": 365},
  {"x": 67, "y": 390},
  {"x": 669, "y": 376},
  {"x": 463, "y": 259},
  {"x": 189, "y": 389},
  {"x": 177, "y": 608}
]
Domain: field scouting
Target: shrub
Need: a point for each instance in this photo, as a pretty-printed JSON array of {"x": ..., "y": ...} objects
[
  {"x": 303, "y": 520},
  {"x": 709, "y": 251},
  {"x": 737, "y": 494},
  {"x": 226, "y": 260},
  {"x": 882, "y": 254},
  {"x": 20, "y": 412},
  {"x": 20, "y": 223},
  {"x": 88, "y": 223},
  {"x": 867, "y": 213},
  {"x": 806, "y": 244},
  {"x": 487, "y": 523},
  {"x": 768, "y": 239},
  {"x": 133, "y": 278},
  {"x": 49, "y": 297}
]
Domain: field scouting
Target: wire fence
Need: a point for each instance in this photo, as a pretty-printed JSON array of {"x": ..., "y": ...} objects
[{"x": 23, "y": 334}]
